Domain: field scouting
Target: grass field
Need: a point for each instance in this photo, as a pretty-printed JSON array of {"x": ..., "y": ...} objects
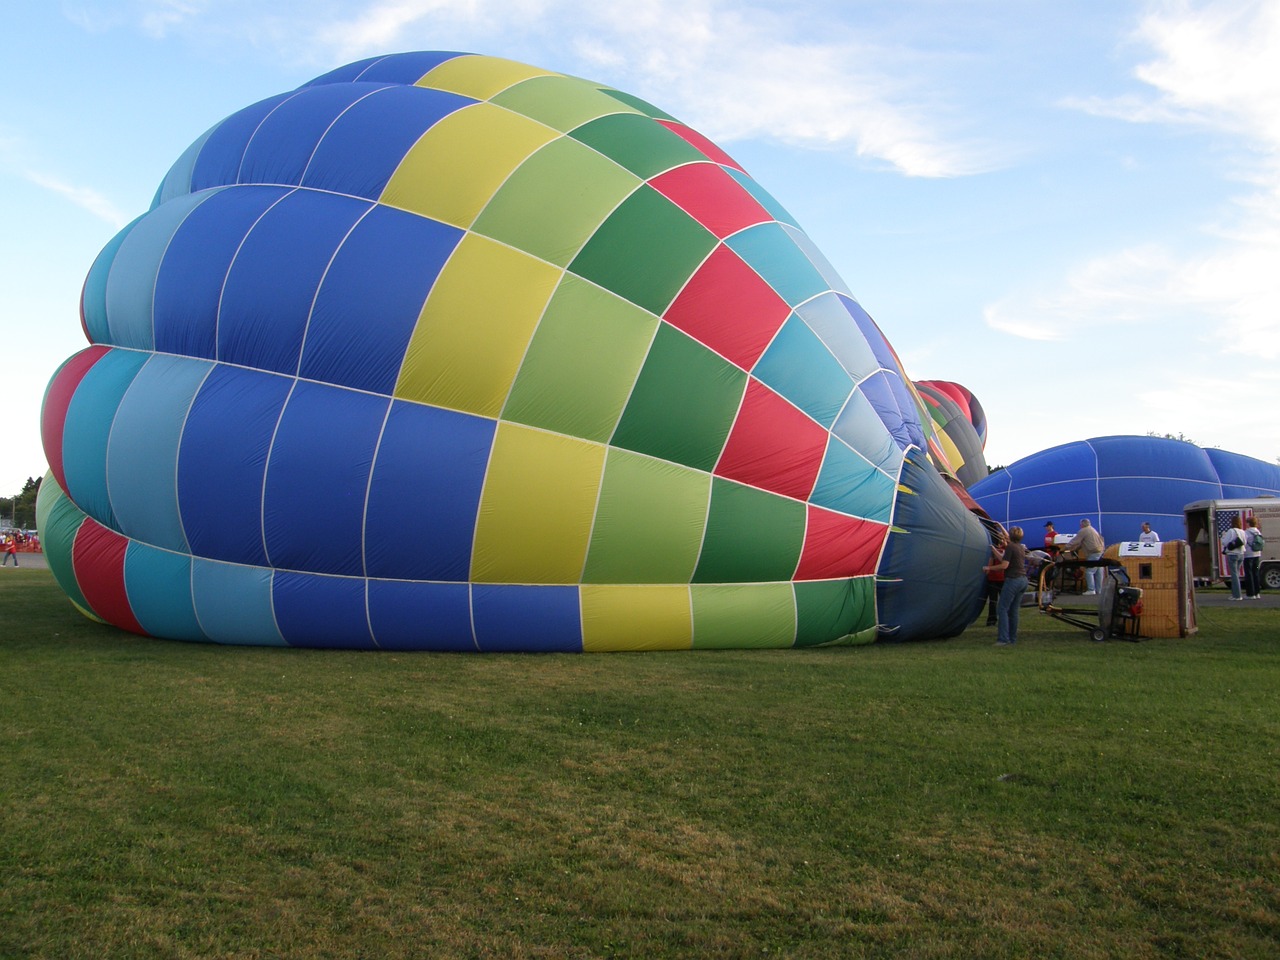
[{"x": 1057, "y": 799}]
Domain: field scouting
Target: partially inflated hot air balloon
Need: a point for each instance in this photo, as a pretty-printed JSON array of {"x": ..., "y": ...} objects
[
  {"x": 442, "y": 351},
  {"x": 1119, "y": 482},
  {"x": 960, "y": 426}
]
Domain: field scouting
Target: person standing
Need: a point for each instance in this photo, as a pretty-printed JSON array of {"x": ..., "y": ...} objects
[
  {"x": 1014, "y": 565},
  {"x": 1051, "y": 547},
  {"x": 10, "y": 550},
  {"x": 1148, "y": 535},
  {"x": 1233, "y": 553},
  {"x": 995, "y": 583},
  {"x": 1088, "y": 544},
  {"x": 1036, "y": 559},
  {"x": 1252, "y": 559}
]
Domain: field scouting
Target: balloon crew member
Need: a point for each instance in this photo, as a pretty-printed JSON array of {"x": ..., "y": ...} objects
[
  {"x": 1050, "y": 535},
  {"x": 1014, "y": 565},
  {"x": 1089, "y": 545},
  {"x": 995, "y": 582}
]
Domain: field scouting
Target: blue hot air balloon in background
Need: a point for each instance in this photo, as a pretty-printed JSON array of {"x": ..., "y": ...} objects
[{"x": 1119, "y": 482}]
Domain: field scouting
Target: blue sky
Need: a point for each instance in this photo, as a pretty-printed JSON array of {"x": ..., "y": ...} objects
[{"x": 1071, "y": 209}]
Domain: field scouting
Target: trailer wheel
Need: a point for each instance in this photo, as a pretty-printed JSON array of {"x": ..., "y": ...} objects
[
  {"x": 1271, "y": 576},
  {"x": 1098, "y": 635}
]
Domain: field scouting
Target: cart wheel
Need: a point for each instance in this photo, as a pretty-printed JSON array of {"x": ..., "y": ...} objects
[
  {"x": 1271, "y": 576},
  {"x": 1098, "y": 635}
]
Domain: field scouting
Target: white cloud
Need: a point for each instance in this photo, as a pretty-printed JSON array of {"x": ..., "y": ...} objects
[
  {"x": 16, "y": 159},
  {"x": 92, "y": 18},
  {"x": 734, "y": 71},
  {"x": 379, "y": 28},
  {"x": 1030, "y": 319},
  {"x": 790, "y": 72},
  {"x": 740, "y": 79},
  {"x": 1216, "y": 64},
  {"x": 1212, "y": 69},
  {"x": 156, "y": 18},
  {"x": 1199, "y": 399},
  {"x": 84, "y": 197},
  {"x": 161, "y": 16},
  {"x": 1136, "y": 286},
  {"x": 1226, "y": 297}
]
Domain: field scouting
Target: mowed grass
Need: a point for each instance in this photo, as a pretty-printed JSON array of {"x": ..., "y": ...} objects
[{"x": 1059, "y": 799}]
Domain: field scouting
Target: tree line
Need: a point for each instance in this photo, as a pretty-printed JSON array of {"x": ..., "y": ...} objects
[{"x": 20, "y": 509}]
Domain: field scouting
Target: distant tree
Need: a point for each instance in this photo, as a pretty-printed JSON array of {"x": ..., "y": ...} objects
[
  {"x": 20, "y": 509},
  {"x": 1171, "y": 436}
]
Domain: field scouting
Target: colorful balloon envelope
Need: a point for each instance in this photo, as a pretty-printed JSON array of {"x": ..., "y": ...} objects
[
  {"x": 443, "y": 351},
  {"x": 960, "y": 426}
]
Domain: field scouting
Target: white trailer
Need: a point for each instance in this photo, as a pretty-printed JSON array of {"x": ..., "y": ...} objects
[{"x": 1207, "y": 520}]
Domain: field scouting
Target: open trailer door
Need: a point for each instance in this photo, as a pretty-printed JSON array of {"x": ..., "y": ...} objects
[
  {"x": 1202, "y": 540},
  {"x": 1208, "y": 520}
]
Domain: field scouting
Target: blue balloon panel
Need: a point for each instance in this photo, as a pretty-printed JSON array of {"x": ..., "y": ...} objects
[
  {"x": 190, "y": 289},
  {"x": 306, "y": 479}
]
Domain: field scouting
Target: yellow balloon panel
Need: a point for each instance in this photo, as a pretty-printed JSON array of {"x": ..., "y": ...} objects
[
  {"x": 475, "y": 327},
  {"x": 536, "y": 509},
  {"x": 955, "y": 459},
  {"x": 457, "y": 166},
  {"x": 636, "y": 617},
  {"x": 479, "y": 77}
]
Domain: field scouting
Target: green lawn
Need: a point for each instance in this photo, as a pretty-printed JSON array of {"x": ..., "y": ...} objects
[{"x": 1058, "y": 799}]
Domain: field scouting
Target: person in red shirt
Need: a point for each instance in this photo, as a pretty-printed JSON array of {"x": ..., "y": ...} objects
[
  {"x": 995, "y": 582},
  {"x": 1049, "y": 534}
]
